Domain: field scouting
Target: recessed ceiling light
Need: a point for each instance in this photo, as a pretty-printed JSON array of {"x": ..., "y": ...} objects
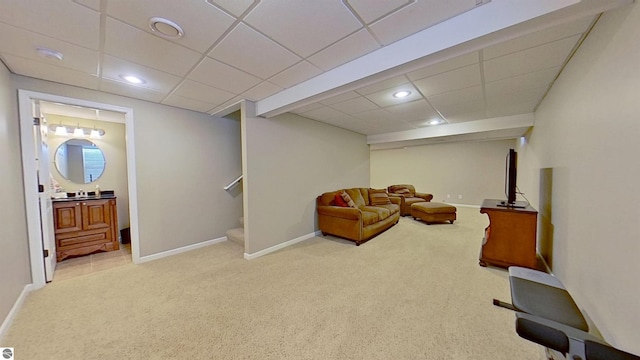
[
  {"x": 49, "y": 53},
  {"x": 401, "y": 94},
  {"x": 165, "y": 28},
  {"x": 434, "y": 122},
  {"x": 132, "y": 79}
]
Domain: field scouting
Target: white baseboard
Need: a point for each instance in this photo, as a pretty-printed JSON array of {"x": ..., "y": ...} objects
[
  {"x": 14, "y": 310},
  {"x": 164, "y": 254},
  {"x": 281, "y": 246}
]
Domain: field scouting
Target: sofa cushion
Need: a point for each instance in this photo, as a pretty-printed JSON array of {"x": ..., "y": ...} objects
[
  {"x": 339, "y": 201},
  {"x": 382, "y": 212},
  {"x": 404, "y": 192},
  {"x": 369, "y": 217},
  {"x": 356, "y": 196},
  {"x": 378, "y": 197},
  {"x": 347, "y": 199},
  {"x": 393, "y": 208}
]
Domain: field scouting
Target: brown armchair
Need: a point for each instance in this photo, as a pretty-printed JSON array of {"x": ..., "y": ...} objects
[{"x": 408, "y": 196}]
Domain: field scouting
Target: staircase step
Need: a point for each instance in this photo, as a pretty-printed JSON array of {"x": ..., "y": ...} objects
[{"x": 236, "y": 235}]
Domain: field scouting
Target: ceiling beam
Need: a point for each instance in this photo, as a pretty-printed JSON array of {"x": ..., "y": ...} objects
[{"x": 473, "y": 24}]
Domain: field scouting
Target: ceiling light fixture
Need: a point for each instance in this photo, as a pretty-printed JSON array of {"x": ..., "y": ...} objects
[
  {"x": 401, "y": 94},
  {"x": 165, "y": 28},
  {"x": 49, "y": 53},
  {"x": 132, "y": 79},
  {"x": 434, "y": 122}
]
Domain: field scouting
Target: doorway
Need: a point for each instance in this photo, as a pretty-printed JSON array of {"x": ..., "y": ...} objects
[{"x": 37, "y": 243}]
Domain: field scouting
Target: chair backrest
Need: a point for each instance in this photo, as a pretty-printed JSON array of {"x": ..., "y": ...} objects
[{"x": 394, "y": 188}]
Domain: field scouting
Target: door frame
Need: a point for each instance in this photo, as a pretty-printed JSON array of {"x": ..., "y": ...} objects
[{"x": 25, "y": 113}]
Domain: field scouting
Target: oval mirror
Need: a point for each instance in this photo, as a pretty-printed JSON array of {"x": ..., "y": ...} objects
[{"x": 79, "y": 161}]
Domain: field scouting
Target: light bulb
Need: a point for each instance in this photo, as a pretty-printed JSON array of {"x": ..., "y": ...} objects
[
  {"x": 61, "y": 130},
  {"x": 78, "y": 132},
  {"x": 95, "y": 134}
]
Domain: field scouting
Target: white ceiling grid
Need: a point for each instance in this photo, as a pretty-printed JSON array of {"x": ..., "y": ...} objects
[{"x": 252, "y": 49}]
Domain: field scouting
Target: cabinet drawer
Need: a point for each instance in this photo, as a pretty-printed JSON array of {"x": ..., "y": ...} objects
[{"x": 84, "y": 238}]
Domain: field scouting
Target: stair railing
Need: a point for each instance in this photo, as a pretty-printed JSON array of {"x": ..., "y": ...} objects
[{"x": 233, "y": 183}]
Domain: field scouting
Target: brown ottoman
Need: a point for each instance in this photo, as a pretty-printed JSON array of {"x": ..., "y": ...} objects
[{"x": 431, "y": 212}]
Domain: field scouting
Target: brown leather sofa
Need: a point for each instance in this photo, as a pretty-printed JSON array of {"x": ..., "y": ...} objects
[
  {"x": 359, "y": 223},
  {"x": 408, "y": 196}
]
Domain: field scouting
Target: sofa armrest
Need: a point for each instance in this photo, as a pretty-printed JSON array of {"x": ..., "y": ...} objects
[
  {"x": 425, "y": 196},
  {"x": 339, "y": 212}
]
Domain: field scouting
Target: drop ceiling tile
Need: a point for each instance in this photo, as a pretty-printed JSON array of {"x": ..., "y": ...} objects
[
  {"x": 261, "y": 91},
  {"x": 414, "y": 110},
  {"x": 129, "y": 43},
  {"x": 383, "y": 85},
  {"x": 92, "y": 4},
  {"x": 306, "y": 108},
  {"x": 512, "y": 108},
  {"x": 538, "y": 79},
  {"x": 323, "y": 113},
  {"x": 222, "y": 76},
  {"x": 296, "y": 74},
  {"x": 45, "y": 71},
  {"x": 241, "y": 45},
  {"x": 385, "y": 98},
  {"x": 445, "y": 66},
  {"x": 113, "y": 67},
  {"x": 186, "y": 103},
  {"x": 197, "y": 91},
  {"x": 345, "y": 50},
  {"x": 304, "y": 27},
  {"x": 236, "y": 7},
  {"x": 132, "y": 91},
  {"x": 468, "y": 111},
  {"x": 522, "y": 62},
  {"x": 354, "y": 106},
  {"x": 538, "y": 38},
  {"x": 449, "y": 81},
  {"x": 418, "y": 16},
  {"x": 376, "y": 115},
  {"x": 370, "y": 10},
  {"x": 23, "y": 43},
  {"x": 56, "y": 19},
  {"x": 340, "y": 98},
  {"x": 202, "y": 23},
  {"x": 470, "y": 94},
  {"x": 500, "y": 98}
]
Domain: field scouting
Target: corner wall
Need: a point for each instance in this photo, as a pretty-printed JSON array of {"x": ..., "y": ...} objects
[
  {"x": 474, "y": 170},
  {"x": 587, "y": 130},
  {"x": 15, "y": 271},
  {"x": 290, "y": 160}
]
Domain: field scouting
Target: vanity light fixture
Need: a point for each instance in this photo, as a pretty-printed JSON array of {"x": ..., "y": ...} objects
[
  {"x": 78, "y": 131},
  {"x": 401, "y": 94},
  {"x": 61, "y": 130}
]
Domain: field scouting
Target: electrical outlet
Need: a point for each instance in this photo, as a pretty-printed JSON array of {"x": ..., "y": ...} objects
[{"x": 459, "y": 197}]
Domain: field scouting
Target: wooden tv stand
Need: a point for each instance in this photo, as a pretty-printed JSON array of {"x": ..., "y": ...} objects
[{"x": 510, "y": 238}]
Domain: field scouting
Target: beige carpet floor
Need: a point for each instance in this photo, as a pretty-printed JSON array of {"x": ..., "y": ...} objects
[{"x": 414, "y": 292}]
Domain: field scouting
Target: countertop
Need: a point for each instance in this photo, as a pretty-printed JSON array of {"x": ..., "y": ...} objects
[{"x": 81, "y": 198}]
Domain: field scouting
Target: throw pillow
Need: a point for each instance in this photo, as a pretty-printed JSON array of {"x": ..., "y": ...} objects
[
  {"x": 347, "y": 199},
  {"x": 339, "y": 201},
  {"x": 378, "y": 197},
  {"x": 403, "y": 192}
]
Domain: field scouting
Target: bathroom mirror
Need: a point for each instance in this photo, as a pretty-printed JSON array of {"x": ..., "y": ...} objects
[{"x": 79, "y": 161}]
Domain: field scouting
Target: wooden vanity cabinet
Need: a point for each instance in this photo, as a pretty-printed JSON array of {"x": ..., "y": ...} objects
[{"x": 85, "y": 226}]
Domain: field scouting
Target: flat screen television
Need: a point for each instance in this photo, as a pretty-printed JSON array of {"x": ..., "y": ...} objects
[{"x": 510, "y": 180}]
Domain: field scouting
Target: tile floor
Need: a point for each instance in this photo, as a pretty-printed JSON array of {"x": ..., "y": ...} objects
[{"x": 78, "y": 266}]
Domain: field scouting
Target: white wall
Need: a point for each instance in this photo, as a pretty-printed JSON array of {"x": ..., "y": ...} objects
[
  {"x": 15, "y": 271},
  {"x": 474, "y": 170},
  {"x": 183, "y": 160},
  {"x": 290, "y": 161},
  {"x": 587, "y": 131}
]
